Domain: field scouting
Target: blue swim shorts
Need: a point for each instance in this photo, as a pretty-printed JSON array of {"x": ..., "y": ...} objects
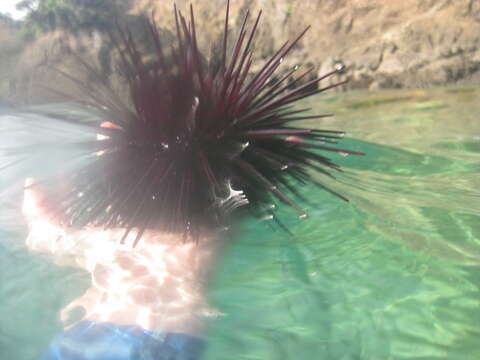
[{"x": 106, "y": 341}]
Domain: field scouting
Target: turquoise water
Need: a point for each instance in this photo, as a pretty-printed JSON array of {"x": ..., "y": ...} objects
[{"x": 394, "y": 274}]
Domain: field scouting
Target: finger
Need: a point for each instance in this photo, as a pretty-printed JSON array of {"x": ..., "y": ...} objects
[{"x": 32, "y": 200}]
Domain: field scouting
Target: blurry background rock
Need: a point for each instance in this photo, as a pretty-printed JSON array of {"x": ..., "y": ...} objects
[
  {"x": 382, "y": 43},
  {"x": 11, "y": 47}
]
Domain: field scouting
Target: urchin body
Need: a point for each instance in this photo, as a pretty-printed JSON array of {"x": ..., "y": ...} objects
[{"x": 194, "y": 141}]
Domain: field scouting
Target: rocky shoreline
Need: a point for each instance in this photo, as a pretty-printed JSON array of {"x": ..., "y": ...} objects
[{"x": 383, "y": 44}]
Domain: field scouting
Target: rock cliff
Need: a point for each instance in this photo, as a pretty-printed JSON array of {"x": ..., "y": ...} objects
[{"x": 382, "y": 43}]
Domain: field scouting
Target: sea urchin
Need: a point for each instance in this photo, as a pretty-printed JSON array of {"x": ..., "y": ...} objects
[{"x": 198, "y": 137}]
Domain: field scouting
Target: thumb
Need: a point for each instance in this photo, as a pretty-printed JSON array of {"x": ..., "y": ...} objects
[{"x": 43, "y": 234}]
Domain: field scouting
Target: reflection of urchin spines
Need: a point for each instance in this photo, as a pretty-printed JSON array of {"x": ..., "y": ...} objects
[{"x": 197, "y": 137}]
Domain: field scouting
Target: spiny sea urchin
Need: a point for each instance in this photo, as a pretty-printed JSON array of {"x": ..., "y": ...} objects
[{"x": 198, "y": 137}]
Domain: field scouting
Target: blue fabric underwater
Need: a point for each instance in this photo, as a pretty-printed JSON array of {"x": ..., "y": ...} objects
[{"x": 106, "y": 341}]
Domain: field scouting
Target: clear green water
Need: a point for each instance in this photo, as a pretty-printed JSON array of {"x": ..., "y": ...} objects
[{"x": 394, "y": 274}]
